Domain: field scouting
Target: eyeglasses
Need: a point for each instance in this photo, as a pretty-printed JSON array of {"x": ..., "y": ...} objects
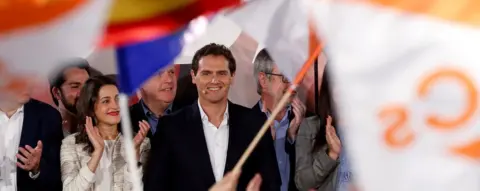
[{"x": 284, "y": 79}]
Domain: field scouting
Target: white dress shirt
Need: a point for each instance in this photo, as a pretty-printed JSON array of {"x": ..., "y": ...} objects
[
  {"x": 10, "y": 133},
  {"x": 217, "y": 142}
]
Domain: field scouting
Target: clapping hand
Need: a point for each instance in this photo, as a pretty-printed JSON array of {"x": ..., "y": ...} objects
[
  {"x": 30, "y": 157},
  {"x": 334, "y": 143},
  {"x": 94, "y": 136},
  {"x": 142, "y": 133},
  {"x": 299, "y": 110}
]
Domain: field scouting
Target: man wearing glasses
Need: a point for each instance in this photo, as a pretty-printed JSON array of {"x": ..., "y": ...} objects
[{"x": 271, "y": 85}]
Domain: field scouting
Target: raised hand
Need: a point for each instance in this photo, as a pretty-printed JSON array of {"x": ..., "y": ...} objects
[
  {"x": 334, "y": 143},
  {"x": 94, "y": 136},
  {"x": 142, "y": 133},
  {"x": 30, "y": 157},
  {"x": 230, "y": 182},
  {"x": 299, "y": 110},
  {"x": 255, "y": 183}
]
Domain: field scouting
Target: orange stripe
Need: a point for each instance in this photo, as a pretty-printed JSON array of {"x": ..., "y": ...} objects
[
  {"x": 313, "y": 41},
  {"x": 161, "y": 25},
  {"x": 16, "y": 14},
  {"x": 315, "y": 48},
  {"x": 462, "y": 11},
  {"x": 305, "y": 67},
  {"x": 471, "y": 150}
]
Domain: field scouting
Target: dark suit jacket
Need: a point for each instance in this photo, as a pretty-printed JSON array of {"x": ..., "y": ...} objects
[
  {"x": 42, "y": 122},
  {"x": 289, "y": 148},
  {"x": 180, "y": 159},
  {"x": 137, "y": 114}
]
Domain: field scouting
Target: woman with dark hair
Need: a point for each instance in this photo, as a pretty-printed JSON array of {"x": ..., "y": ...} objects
[
  {"x": 94, "y": 158},
  {"x": 318, "y": 148}
]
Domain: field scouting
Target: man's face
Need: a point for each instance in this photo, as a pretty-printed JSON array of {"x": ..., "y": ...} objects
[
  {"x": 13, "y": 88},
  {"x": 161, "y": 87},
  {"x": 18, "y": 90},
  {"x": 213, "y": 78},
  {"x": 70, "y": 89},
  {"x": 276, "y": 85}
]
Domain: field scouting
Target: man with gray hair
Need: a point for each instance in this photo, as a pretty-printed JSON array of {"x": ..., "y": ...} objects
[{"x": 271, "y": 86}]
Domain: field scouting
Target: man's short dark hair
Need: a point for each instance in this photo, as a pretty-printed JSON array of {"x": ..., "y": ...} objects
[
  {"x": 58, "y": 77},
  {"x": 215, "y": 50}
]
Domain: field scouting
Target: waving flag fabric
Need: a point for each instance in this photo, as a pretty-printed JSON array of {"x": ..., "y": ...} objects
[
  {"x": 138, "y": 62},
  {"x": 282, "y": 27},
  {"x": 407, "y": 74},
  {"x": 149, "y": 34},
  {"x": 35, "y": 36}
]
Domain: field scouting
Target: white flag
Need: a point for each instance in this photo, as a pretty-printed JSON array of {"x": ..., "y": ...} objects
[
  {"x": 407, "y": 75},
  {"x": 36, "y": 42},
  {"x": 282, "y": 27}
]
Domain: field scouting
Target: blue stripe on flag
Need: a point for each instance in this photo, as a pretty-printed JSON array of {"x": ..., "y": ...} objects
[{"x": 138, "y": 62}]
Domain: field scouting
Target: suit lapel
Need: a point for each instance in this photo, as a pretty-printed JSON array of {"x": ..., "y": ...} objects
[
  {"x": 235, "y": 146},
  {"x": 30, "y": 125},
  {"x": 198, "y": 141}
]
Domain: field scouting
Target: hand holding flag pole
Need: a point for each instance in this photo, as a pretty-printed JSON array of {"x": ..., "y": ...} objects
[{"x": 278, "y": 108}]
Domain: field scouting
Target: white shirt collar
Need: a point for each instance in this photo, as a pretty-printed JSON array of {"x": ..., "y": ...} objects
[
  {"x": 20, "y": 110},
  {"x": 204, "y": 115}
]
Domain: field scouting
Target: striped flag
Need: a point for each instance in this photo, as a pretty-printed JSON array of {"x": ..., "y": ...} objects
[
  {"x": 150, "y": 34},
  {"x": 408, "y": 76},
  {"x": 35, "y": 36}
]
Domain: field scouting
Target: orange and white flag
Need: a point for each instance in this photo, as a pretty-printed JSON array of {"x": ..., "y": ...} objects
[
  {"x": 407, "y": 74},
  {"x": 35, "y": 36},
  {"x": 282, "y": 27}
]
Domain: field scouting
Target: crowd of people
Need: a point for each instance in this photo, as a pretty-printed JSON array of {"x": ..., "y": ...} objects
[{"x": 180, "y": 145}]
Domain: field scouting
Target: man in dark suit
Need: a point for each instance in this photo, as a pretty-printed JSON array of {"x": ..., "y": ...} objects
[
  {"x": 197, "y": 145},
  {"x": 160, "y": 96},
  {"x": 30, "y": 139},
  {"x": 271, "y": 85},
  {"x": 157, "y": 99}
]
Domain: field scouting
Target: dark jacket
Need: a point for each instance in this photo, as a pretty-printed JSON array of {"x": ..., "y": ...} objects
[
  {"x": 180, "y": 158},
  {"x": 289, "y": 148},
  {"x": 137, "y": 114},
  {"x": 42, "y": 122}
]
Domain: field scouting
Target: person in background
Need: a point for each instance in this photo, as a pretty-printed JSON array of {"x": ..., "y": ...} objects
[
  {"x": 93, "y": 158},
  {"x": 157, "y": 95},
  {"x": 30, "y": 138},
  {"x": 113, "y": 77},
  {"x": 271, "y": 86},
  {"x": 197, "y": 145},
  {"x": 65, "y": 86},
  {"x": 320, "y": 162}
]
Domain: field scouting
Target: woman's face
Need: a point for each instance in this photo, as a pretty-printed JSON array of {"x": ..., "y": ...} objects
[{"x": 107, "y": 110}]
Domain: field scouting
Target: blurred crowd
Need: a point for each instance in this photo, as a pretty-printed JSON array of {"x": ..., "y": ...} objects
[{"x": 180, "y": 144}]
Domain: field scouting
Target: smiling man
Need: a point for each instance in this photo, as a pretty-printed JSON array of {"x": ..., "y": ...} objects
[
  {"x": 65, "y": 85},
  {"x": 271, "y": 86},
  {"x": 197, "y": 145},
  {"x": 157, "y": 96}
]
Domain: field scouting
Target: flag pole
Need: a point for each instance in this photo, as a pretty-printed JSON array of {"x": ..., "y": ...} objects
[
  {"x": 128, "y": 141},
  {"x": 278, "y": 108}
]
